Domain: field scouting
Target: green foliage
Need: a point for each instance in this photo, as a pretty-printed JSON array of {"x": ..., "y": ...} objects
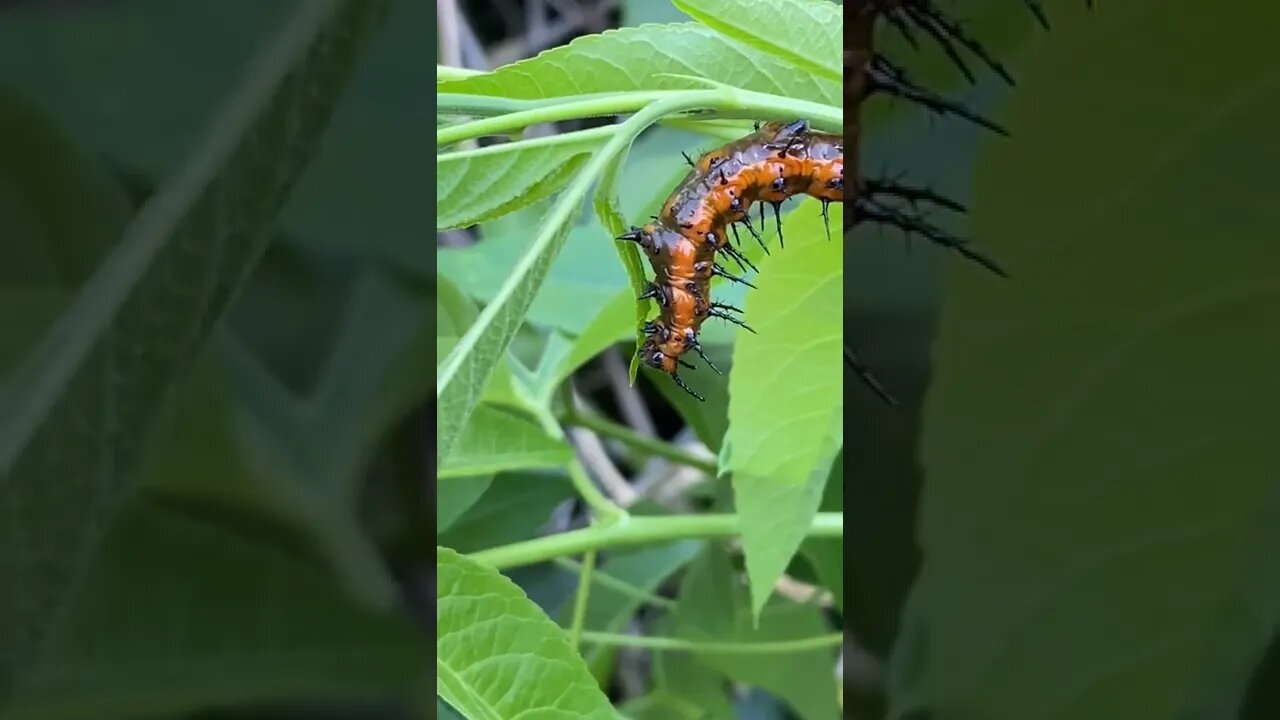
[
  {"x": 1099, "y": 517},
  {"x": 79, "y": 406},
  {"x": 186, "y": 449},
  {"x": 786, "y": 400},
  {"x": 499, "y": 656},
  {"x": 556, "y": 290}
]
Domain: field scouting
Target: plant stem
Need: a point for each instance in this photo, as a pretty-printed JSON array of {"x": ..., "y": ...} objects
[
  {"x": 729, "y": 100},
  {"x": 634, "y": 530},
  {"x": 580, "y": 603},
  {"x": 644, "y": 444},
  {"x": 536, "y": 113},
  {"x": 604, "y": 508},
  {"x": 622, "y": 587},
  {"x": 569, "y": 138},
  {"x": 765, "y": 647}
]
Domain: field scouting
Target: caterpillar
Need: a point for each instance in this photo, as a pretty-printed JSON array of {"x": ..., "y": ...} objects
[{"x": 775, "y": 162}]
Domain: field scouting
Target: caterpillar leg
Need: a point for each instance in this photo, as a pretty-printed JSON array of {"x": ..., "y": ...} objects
[
  {"x": 686, "y": 388},
  {"x": 697, "y": 348}
]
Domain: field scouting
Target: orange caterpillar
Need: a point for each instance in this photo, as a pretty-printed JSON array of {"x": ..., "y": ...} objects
[{"x": 774, "y": 163}]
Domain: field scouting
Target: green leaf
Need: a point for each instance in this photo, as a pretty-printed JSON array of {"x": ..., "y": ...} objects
[
  {"x": 713, "y": 606},
  {"x": 80, "y": 406},
  {"x": 512, "y": 509},
  {"x": 1101, "y": 510},
  {"x": 786, "y": 396},
  {"x": 473, "y": 186},
  {"x": 637, "y": 59},
  {"x": 806, "y": 33},
  {"x": 496, "y": 440},
  {"x": 498, "y": 656},
  {"x": 454, "y": 496},
  {"x": 178, "y": 615}
]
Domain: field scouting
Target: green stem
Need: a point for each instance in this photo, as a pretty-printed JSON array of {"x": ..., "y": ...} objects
[
  {"x": 730, "y": 101},
  {"x": 622, "y": 587},
  {"x": 580, "y": 603},
  {"x": 646, "y": 445},
  {"x": 490, "y": 105},
  {"x": 569, "y": 138},
  {"x": 605, "y": 509},
  {"x": 634, "y": 530},
  {"x": 766, "y": 647},
  {"x": 445, "y": 73}
]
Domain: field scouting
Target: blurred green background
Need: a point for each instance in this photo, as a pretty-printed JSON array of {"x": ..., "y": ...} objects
[{"x": 262, "y": 569}]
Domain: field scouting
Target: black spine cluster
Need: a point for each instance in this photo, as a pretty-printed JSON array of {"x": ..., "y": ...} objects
[{"x": 887, "y": 201}]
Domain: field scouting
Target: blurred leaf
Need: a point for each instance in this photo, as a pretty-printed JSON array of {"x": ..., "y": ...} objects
[
  {"x": 454, "y": 496},
  {"x": 613, "y": 323},
  {"x": 786, "y": 396},
  {"x": 19, "y": 331},
  {"x": 61, "y": 210},
  {"x": 714, "y": 606},
  {"x": 82, "y": 402},
  {"x": 806, "y": 33},
  {"x": 1101, "y": 501},
  {"x": 662, "y": 705},
  {"x": 639, "y": 12},
  {"x": 473, "y": 186},
  {"x": 495, "y": 441},
  {"x": 638, "y": 59},
  {"x": 233, "y": 621},
  {"x": 709, "y": 419},
  {"x": 499, "y": 656},
  {"x": 132, "y": 80},
  {"x": 512, "y": 509},
  {"x": 311, "y": 453},
  {"x": 454, "y": 311},
  {"x": 608, "y": 609},
  {"x": 683, "y": 677},
  {"x": 445, "y": 712}
]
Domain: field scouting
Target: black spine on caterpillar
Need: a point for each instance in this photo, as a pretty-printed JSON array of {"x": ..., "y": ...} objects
[{"x": 887, "y": 201}]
